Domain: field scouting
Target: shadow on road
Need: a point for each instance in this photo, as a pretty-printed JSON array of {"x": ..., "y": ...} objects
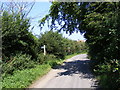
[{"x": 76, "y": 67}]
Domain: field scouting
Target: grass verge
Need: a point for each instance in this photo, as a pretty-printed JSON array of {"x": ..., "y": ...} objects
[{"x": 22, "y": 79}]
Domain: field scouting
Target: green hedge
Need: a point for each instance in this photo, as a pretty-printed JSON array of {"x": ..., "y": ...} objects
[{"x": 18, "y": 62}]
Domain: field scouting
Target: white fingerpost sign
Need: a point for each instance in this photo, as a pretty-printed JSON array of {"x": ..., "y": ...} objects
[{"x": 44, "y": 49}]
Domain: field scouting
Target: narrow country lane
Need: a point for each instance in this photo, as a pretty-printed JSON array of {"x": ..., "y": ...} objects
[{"x": 74, "y": 73}]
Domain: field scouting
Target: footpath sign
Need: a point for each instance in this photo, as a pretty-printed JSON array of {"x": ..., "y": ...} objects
[{"x": 44, "y": 49}]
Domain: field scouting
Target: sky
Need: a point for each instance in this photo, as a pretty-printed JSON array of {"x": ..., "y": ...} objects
[{"x": 39, "y": 10}]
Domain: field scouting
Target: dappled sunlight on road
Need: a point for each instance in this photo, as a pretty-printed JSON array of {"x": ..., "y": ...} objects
[
  {"x": 73, "y": 73},
  {"x": 76, "y": 67}
]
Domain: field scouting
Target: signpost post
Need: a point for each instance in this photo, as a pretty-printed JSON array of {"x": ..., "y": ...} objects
[{"x": 44, "y": 49}]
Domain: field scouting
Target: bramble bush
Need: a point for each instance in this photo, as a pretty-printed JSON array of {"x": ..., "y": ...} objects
[
  {"x": 44, "y": 58},
  {"x": 18, "y": 62}
]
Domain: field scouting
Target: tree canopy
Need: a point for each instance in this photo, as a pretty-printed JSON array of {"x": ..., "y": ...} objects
[
  {"x": 15, "y": 35},
  {"x": 99, "y": 21}
]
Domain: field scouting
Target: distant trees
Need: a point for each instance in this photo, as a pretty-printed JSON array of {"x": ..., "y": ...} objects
[
  {"x": 53, "y": 42},
  {"x": 71, "y": 46},
  {"x": 59, "y": 46}
]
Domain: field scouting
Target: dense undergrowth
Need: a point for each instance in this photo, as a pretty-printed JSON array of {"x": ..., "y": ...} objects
[
  {"x": 108, "y": 74},
  {"x": 22, "y": 71},
  {"x": 23, "y": 78}
]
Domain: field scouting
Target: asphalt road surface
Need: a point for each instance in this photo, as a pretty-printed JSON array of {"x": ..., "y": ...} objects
[{"x": 74, "y": 73}]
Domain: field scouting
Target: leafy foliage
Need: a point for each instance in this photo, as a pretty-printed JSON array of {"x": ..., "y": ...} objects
[
  {"x": 111, "y": 72},
  {"x": 18, "y": 62},
  {"x": 53, "y": 42},
  {"x": 44, "y": 58},
  {"x": 15, "y": 35}
]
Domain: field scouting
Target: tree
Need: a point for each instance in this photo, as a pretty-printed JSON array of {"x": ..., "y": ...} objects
[
  {"x": 20, "y": 7},
  {"x": 15, "y": 35},
  {"x": 69, "y": 16},
  {"x": 15, "y": 29},
  {"x": 54, "y": 43}
]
